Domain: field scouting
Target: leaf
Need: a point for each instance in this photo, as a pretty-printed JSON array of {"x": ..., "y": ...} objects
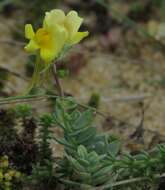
[
  {"x": 100, "y": 180},
  {"x": 93, "y": 157},
  {"x": 84, "y": 120},
  {"x": 85, "y": 176},
  {"x": 114, "y": 147},
  {"x": 69, "y": 182},
  {"x": 77, "y": 166},
  {"x": 95, "y": 168},
  {"x": 78, "y": 132},
  {"x": 86, "y": 187},
  {"x": 103, "y": 171},
  {"x": 87, "y": 135},
  {"x": 82, "y": 152},
  {"x": 75, "y": 115},
  {"x": 63, "y": 142},
  {"x": 62, "y": 73},
  {"x": 59, "y": 112},
  {"x": 162, "y": 10},
  {"x": 83, "y": 162},
  {"x": 69, "y": 103}
]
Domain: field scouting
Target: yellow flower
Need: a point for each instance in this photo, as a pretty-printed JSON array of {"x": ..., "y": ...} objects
[
  {"x": 71, "y": 23},
  {"x": 7, "y": 185},
  {"x": 57, "y": 31},
  {"x": 49, "y": 41},
  {"x": 17, "y": 174},
  {"x": 8, "y": 177},
  {"x": 11, "y": 173},
  {"x": 4, "y": 163}
]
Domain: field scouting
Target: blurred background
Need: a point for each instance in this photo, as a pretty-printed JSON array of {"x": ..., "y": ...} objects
[{"x": 119, "y": 68}]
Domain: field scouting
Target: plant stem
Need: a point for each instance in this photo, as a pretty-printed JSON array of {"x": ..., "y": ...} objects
[
  {"x": 128, "y": 181},
  {"x": 58, "y": 85},
  {"x": 116, "y": 184}
]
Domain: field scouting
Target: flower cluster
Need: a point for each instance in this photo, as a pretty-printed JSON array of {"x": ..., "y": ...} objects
[
  {"x": 58, "y": 30},
  {"x": 7, "y": 175}
]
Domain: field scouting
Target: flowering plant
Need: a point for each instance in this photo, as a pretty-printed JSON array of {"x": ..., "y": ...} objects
[{"x": 58, "y": 31}]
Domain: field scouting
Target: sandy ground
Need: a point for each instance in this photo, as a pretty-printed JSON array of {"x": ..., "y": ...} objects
[{"x": 119, "y": 80}]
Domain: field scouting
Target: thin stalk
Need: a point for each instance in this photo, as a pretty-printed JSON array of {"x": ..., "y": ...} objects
[
  {"x": 57, "y": 81},
  {"x": 129, "y": 181},
  {"x": 116, "y": 184}
]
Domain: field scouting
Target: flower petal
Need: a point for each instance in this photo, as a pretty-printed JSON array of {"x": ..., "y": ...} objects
[
  {"x": 50, "y": 51},
  {"x": 31, "y": 46},
  {"x": 53, "y": 17},
  {"x": 78, "y": 37},
  {"x": 48, "y": 55},
  {"x": 73, "y": 23},
  {"x": 60, "y": 35},
  {"x": 29, "y": 32}
]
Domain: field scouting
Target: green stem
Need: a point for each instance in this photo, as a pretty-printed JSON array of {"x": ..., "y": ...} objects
[
  {"x": 36, "y": 74},
  {"x": 128, "y": 181}
]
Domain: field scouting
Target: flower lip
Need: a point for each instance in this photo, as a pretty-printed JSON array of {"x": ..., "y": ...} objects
[{"x": 43, "y": 38}]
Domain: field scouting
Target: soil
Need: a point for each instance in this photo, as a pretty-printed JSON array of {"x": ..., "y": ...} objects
[{"x": 128, "y": 76}]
